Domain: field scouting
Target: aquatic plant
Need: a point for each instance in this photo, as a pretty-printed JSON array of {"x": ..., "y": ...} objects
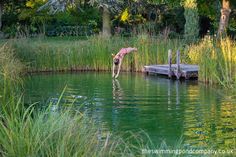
[
  {"x": 10, "y": 70},
  {"x": 62, "y": 131},
  {"x": 93, "y": 53},
  {"x": 216, "y": 59},
  {"x": 10, "y": 66}
]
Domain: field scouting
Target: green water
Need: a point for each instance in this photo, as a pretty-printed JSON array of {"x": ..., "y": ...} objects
[{"x": 166, "y": 110}]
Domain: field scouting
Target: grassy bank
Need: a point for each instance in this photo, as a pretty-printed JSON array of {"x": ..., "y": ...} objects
[
  {"x": 216, "y": 58},
  {"x": 56, "y": 130},
  {"x": 10, "y": 75},
  {"x": 57, "y": 133},
  {"x": 60, "y": 131},
  {"x": 91, "y": 54}
]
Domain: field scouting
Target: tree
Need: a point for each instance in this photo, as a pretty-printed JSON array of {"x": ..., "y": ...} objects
[
  {"x": 106, "y": 25},
  {"x": 4, "y": 3},
  {"x": 224, "y": 18},
  {"x": 107, "y": 7},
  {"x": 1, "y": 12},
  {"x": 191, "y": 28}
]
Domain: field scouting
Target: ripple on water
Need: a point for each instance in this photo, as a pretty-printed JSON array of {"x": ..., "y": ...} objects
[{"x": 165, "y": 109}]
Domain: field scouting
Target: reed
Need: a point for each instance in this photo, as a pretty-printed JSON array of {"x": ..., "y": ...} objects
[
  {"x": 215, "y": 58},
  {"x": 217, "y": 61},
  {"x": 10, "y": 66},
  {"x": 59, "y": 130},
  {"x": 10, "y": 71},
  {"x": 93, "y": 53},
  {"x": 47, "y": 134},
  {"x": 54, "y": 131}
]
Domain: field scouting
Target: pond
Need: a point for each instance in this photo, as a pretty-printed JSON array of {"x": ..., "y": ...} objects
[{"x": 166, "y": 110}]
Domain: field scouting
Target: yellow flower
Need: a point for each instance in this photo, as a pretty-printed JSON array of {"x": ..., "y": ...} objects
[
  {"x": 125, "y": 15},
  {"x": 30, "y": 4}
]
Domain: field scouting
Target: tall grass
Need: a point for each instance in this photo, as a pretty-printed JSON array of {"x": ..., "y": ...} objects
[
  {"x": 93, "y": 53},
  {"x": 10, "y": 70},
  {"x": 215, "y": 58},
  {"x": 55, "y": 131},
  {"x": 217, "y": 61},
  {"x": 46, "y": 133},
  {"x": 62, "y": 132},
  {"x": 65, "y": 132},
  {"x": 10, "y": 66}
]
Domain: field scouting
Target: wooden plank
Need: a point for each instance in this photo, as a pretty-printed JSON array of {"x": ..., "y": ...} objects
[
  {"x": 178, "y": 73},
  {"x": 174, "y": 65},
  {"x": 179, "y": 70},
  {"x": 169, "y": 63},
  {"x": 187, "y": 71}
]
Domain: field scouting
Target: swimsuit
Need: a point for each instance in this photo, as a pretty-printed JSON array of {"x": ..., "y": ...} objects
[{"x": 123, "y": 52}]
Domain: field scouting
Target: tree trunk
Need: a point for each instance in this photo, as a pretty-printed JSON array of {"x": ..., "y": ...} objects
[
  {"x": 224, "y": 19},
  {"x": 106, "y": 26},
  {"x": 1, "y": 12}
]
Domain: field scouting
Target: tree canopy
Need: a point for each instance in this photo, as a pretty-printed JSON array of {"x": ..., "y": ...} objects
[{"x": 38, "y": 15}]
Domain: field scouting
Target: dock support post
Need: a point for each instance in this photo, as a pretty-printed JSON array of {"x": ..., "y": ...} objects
[
  {"x": 170, "y": 62},
  {"x": 178, "y": 73}
]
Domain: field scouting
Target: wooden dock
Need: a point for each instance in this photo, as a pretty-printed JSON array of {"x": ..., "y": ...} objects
[
  {"x": 177, "y": 70},
  {"x": 186, "y": 71}
]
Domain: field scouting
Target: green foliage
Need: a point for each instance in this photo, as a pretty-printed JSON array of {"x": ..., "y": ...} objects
[
  {"x": 169, "y": 2},
  {"x": 232, "y": 23},
  {"x": 22, "y": 18},
  {"x": 47, "y": 134},
  {"x": 10, "y": 66},
  {"x": 217, "y": 61},
  {"x": 191, "y": 29},
  {"x": 153, "y": 18},
  {"x": 10, "y": 71},
  {"x": 209, "y": 8},
  {"x": 93, "y": 53},
  {"x": 60, "y": 131}
]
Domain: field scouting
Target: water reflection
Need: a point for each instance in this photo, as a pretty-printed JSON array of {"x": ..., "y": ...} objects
[
  {"x": 117, "y": 92},
  {"x": 211, "y": 122},
  {"x": 165, "y": 109}
]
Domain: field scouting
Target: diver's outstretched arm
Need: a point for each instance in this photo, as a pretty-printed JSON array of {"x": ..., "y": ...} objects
[
  {"x": 113, "y": 70},
  {"x": 118, "y": 71}
]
